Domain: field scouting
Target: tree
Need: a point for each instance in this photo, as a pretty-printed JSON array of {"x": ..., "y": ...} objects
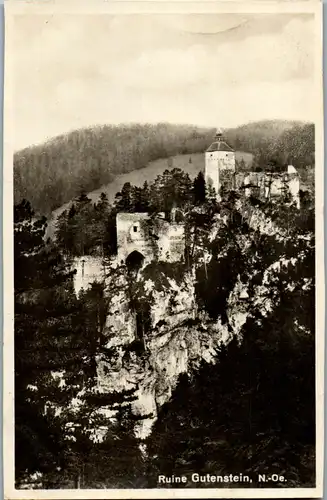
[
  {"x": 58, "y": 339},
  {"x": 37, "y": 272},
  {"x": 87, "y": 228},
  {"x": 124, "y": 198},
  {"x": 145, "y": 197},
  {"x": 242, "y": 165},
  {"x": 199, "y": 189}
]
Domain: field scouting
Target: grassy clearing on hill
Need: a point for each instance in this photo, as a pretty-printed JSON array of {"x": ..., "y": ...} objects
[{"x": 157, "y": 167}]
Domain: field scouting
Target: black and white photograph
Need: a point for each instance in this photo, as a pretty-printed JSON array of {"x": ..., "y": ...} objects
[{"x": 163, "y": 250}]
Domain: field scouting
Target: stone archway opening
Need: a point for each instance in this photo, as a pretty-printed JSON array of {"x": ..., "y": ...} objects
[{"x": 134, "y": 261}]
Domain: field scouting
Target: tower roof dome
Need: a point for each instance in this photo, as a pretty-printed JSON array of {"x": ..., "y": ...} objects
[{"x": 220, "y": 144}]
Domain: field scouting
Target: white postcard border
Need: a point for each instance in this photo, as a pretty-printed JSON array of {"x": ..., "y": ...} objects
[{"x": 13, "y": 8}]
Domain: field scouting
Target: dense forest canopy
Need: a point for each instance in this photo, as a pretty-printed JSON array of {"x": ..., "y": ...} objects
[
  {"x": 254, "y": 135},
  {"x": 53, "y": 173}
]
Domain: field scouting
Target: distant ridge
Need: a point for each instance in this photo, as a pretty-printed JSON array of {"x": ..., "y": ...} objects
[
  {"x": 52, "y": 173},
  {"x": 262, "y": 130}
]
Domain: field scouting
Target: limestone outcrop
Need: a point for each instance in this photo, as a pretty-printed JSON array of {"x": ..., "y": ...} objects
[
  {"x": 154, "y": 331},
  {"x": 178, "y": 340}
]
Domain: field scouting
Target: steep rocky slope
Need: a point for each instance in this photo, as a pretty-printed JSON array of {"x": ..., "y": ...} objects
[
  {"x": 177, "y": 340},
  {"x": 155, "y": 329}
]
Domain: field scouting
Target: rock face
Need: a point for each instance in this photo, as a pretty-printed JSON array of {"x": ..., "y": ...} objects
[
  {"x": 154, "y": 331},
  {"x": 270, "y": 185},
  {"x": 176, "y": 341}
]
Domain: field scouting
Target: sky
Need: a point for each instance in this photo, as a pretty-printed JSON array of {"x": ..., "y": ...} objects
[{"x": 222, "y": 70}]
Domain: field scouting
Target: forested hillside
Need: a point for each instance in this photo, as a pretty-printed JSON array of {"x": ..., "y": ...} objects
[
  {"x": 251, "y": 136},
  {"x": 53, "y": 173},
  {"x": 282, "y": 141}
]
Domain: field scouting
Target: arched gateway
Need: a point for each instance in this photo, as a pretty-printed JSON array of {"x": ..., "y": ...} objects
[
  {"x": 134, "y": 261},
  {"x": 142, "y": 239}
]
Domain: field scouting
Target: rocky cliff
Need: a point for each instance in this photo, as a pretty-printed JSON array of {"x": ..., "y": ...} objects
[
  {"x": 178, "y": 338},
  {"x": 155, "y": 331}
]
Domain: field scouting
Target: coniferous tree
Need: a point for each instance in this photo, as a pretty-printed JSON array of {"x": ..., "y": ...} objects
[
  {"x": 124, "y": 198},
  {"x": 199, "y": 189},
  {"x": 87, "y": 228},
  {"x": 38, "y": 273},
  {"x": 58, "y": 339}
]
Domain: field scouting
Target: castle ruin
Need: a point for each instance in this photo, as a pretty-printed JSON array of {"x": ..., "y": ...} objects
[
  {"x": 221, "y": 175},
  {"x": 141, "y": 238}
]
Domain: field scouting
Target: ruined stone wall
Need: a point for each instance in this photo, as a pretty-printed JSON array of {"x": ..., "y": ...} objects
[
  {"x": 88, "y": 269},
  {"x": 153, "y": 238},
  {"x": 268, "y": 185},
  {"x": 172, "y": 243},
  {"x": 131, "y": 236}
]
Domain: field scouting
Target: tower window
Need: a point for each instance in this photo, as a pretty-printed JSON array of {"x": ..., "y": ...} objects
[{"x": 135, "y": 229}]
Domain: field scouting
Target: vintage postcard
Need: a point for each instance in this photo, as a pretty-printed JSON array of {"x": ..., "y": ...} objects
[{"x": 163, "y": 250}]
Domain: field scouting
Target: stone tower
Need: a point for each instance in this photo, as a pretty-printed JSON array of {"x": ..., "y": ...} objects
[{"x": 220, "y": 164}]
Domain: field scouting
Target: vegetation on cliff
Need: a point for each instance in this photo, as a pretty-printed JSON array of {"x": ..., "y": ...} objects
[
  {"x": 87, "y": 228},
  {"x": 257, "y": 411},
  {"x": 57, "y": 340}
]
